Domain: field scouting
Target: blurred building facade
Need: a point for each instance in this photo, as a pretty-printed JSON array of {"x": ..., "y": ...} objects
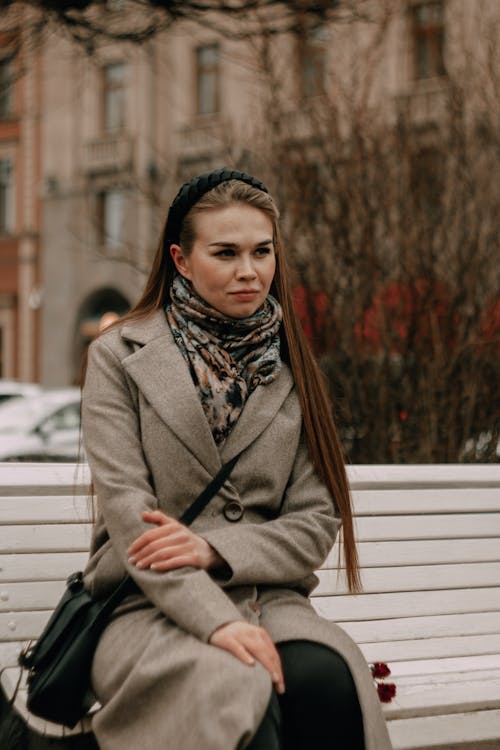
[
  {"x": 99, "y": 142},
  {"x": 20, "y": 205}
]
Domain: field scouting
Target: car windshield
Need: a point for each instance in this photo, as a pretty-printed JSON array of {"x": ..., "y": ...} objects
[
  {"x": 21, "y": 414},
  {"x": 25, "y": 413}
]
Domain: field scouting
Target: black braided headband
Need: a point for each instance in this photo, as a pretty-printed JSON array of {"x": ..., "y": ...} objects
[{"x": 191, "y": 192}]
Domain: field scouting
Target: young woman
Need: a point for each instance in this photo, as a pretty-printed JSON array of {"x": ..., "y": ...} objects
[{"x": 219, "y": 648}]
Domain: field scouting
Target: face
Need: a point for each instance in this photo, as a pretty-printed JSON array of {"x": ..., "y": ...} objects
[{"x": 232, "y": 262}]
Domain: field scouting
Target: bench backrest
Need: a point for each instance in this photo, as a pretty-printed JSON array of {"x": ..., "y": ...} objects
[{"x": 429, "y": 545}]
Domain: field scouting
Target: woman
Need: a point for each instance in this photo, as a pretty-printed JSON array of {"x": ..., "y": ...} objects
[{"x": 219, "y": 648}]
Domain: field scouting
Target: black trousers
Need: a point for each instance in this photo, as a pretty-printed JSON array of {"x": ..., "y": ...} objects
[{"x": 320, "y": 707}]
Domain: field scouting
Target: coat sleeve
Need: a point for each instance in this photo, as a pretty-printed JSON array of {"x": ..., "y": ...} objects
[
  {"x": 288, "y": 548},
  {"x": 111, "y": 432}
]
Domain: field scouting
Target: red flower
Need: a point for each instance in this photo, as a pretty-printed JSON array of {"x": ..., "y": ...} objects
[
  {"x": 386, "y": 691},
  {"x": 380, "y": 669}
]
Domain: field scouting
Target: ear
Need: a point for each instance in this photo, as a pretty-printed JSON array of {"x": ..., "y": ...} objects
[{"x": 180, "y": 260}]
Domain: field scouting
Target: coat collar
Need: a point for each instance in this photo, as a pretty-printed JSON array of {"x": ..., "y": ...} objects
[{"x": 160, "y": 372}]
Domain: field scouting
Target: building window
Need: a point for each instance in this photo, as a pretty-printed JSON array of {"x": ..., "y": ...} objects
[
  {"x": 312, "y": 57},
  {"x": 427, "y": 169},
  {"x": 114, "y": 100},
  {"x": 6, "y": 89},
  {"x": 111, "y": 217},
  {"x": 428, "y": 39},
  {"x": 207, "y": 79},
  {"x": 6, "y": 196}
]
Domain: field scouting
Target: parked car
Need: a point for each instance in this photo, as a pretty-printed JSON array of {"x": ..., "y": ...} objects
[
  {"x": 41, "y": 427},
  {"x": 13, "y": 388}
]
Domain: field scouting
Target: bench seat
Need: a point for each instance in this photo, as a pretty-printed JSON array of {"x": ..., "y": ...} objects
[{"x": 429, "y": 545}]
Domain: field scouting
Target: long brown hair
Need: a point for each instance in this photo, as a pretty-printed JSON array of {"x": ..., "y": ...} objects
[{"x": 322, "y": 439}]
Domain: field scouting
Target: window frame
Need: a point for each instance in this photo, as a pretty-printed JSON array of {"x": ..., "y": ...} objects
[
  {"x": 312, "y": 49},
  {"x": 6, "y": 89},
  {"x": 105, "y": 238},
  {"x": 209, "y": 70},
  {"x": 109, "y": 89},
  {"x": 431, "y": 36},
  {"x": 7, "y": 204}
]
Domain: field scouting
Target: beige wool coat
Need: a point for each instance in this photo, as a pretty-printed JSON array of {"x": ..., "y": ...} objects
[{"x": 149, "y": 445}]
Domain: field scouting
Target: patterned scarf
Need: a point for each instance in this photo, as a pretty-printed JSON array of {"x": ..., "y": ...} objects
[{"x": 227, "y": 357}]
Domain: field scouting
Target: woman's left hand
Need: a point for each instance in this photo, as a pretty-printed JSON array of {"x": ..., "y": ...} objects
[{"x": 171, "y": 545}]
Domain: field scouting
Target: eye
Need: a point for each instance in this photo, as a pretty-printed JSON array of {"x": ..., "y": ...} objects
[
  {"x": 264, "y": 250},
  {"x": 226, "y": 252}
]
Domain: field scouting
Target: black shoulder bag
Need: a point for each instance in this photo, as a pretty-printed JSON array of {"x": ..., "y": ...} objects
[{"x": 59, "y": 662}]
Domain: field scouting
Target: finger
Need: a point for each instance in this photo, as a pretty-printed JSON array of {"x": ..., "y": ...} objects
[
  {"x": 164, "y": 547},
  {"x": 275, "y": 657},
  {"x": 182, "y": 561},
  {"x": 237, "y": 649},
  {"x": 163, "y": 553},
  {"x": 150, "y": 536},
  {"x": 264, "y": 650},
  {"x": 156, "y": 516}
]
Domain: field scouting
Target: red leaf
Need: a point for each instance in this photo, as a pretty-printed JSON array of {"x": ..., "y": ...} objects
[
  {"x": 380, "y": 669},
  {"x": 386, "y": 691}
]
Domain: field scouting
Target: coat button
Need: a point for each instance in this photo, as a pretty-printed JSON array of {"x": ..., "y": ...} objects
[{"x": 233, "y": 510}]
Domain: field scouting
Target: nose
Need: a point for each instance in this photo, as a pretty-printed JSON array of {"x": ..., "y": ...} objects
[{"x": 245, "y": 269}]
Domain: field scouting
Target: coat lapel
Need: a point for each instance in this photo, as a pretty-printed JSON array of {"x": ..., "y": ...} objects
[
  {"x": 160, "y": 373},
  {"x": 262, "y": 406}
]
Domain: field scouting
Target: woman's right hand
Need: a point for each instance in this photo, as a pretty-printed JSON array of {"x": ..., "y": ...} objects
[{"x": 249, "y": 643}]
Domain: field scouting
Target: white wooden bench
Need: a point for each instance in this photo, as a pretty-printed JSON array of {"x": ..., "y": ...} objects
[{"x": 429, "y": 542}]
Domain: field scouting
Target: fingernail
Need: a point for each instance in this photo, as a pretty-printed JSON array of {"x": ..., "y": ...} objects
[
  {"x": 131, "y": 560},
  {"x": 250, "y": 661},
  {"x": 281, "y": 689}
]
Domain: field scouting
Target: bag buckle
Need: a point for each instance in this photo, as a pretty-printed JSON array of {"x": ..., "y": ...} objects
[
  {"x": 75, "y": 581},
  {"x": 24, "y": 656}
]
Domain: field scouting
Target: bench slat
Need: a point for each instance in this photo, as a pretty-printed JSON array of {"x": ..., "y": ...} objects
[
  {"x": 64, "y": 478},
  {"x": 440, "y": 526},
  {"x": 415, "y": 476},
  {"x": 407, "y": 604},
  {"x": 44, "y": 479},
  {"x": 433, "y": 700},
  {"x": 407, "y": 578},
  {"x": 434, "y": 551},
  {"x": 43, "y": 594},
  {"x": 40, "y": 566},
  {"x": 22, "y": 626},
  {"x": 434, "y": 626},
  {"x": 450, "y": 678},
  {"x": 420, "y": 502},
  {"x": 44, "y": 509},
  {"x": 30, "y": 595},
  {"x": 477, "y": 730},
  {"x": 9, "y": 653},
  {"x": 465, "y": 664},
  {"x": 431, "y": 648},
  {"x": 58, "y": 537}
]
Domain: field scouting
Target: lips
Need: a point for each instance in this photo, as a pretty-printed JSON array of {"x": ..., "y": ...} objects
[{"x": 245, "y": 292}]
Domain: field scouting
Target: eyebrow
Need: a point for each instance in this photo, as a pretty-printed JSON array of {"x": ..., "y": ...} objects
[{"x": 233, "y": 245}]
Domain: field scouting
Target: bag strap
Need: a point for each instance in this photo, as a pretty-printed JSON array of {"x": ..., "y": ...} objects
[
  {"x": 210, "y": 490},
  {"x": 194, "y": 510}
]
